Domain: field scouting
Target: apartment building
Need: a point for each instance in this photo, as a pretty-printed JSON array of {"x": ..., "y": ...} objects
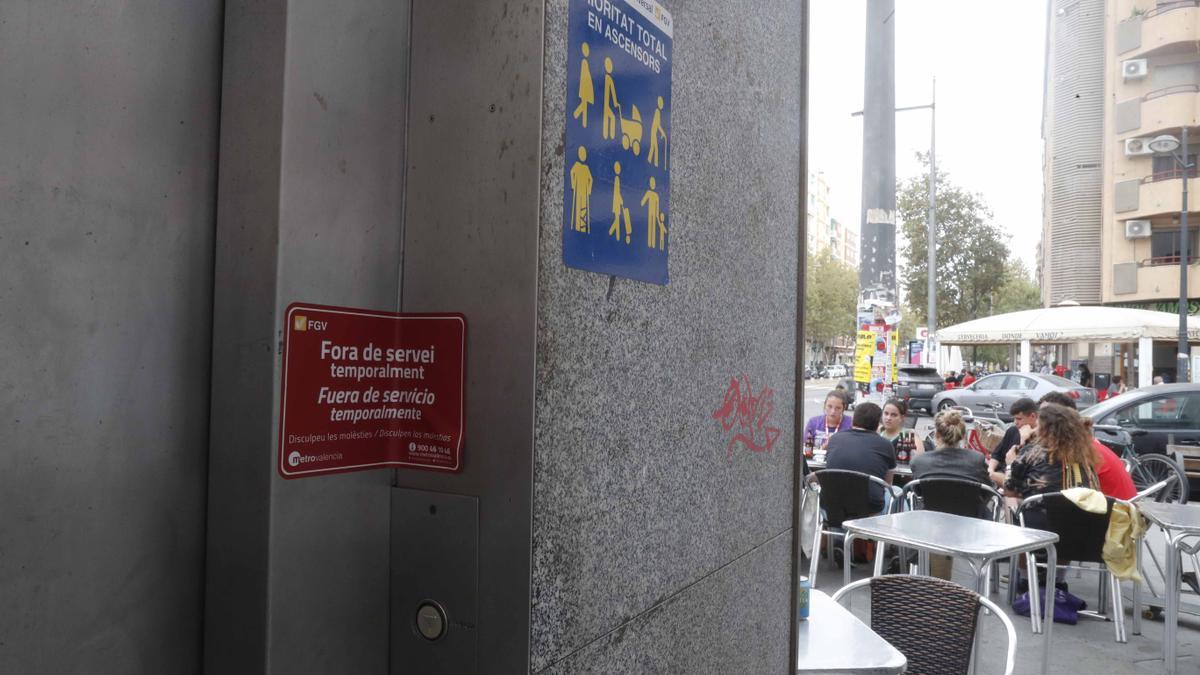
[
  {"x": 1152, "y": 87},
  {"x": 1118, "y": 74},
  {"x": 824, "y": 231}
]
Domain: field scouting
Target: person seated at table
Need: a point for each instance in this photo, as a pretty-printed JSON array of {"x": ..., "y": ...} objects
[
  {"x": 1115, "y": 481},
  {"x": 862, "y": 449},
  {"x": 1060, "y": 456},
  {"x": 892, "y": 425},
  {"x": 1024, "y": 415},
  {"x": 822, "y": 427},
  {"x": 949, "y": 460}
]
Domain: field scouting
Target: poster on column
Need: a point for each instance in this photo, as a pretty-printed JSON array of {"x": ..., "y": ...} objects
[
  {"x": 363, "y": 389},
  {"x": 617, "y": 155}
]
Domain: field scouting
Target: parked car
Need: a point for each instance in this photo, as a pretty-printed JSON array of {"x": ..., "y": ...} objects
[
  {"x": 1151, "y": 414},
  {"x": 836, "y": 371},
  {"x": 917, "y": 385},
  {"x": 995, "y": 393},
  {"x": 1154, "y": 417}
]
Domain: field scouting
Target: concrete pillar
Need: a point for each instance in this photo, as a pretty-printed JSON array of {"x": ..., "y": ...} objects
[
  {"x": 1026, "y": 357},
  {"x": 1145, "y": 357}
]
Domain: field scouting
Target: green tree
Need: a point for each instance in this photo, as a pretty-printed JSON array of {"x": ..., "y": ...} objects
[
  {"x": 830, "y": 300},
  {"x": 972, "y": 252},
  {"x": 1019, "y": 291}
]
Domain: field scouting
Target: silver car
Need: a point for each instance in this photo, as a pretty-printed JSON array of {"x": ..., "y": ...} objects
[{"x": 995, "y": 393}]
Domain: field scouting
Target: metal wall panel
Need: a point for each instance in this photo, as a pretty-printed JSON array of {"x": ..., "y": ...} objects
[
  {"x": 1126, "y": 195},
  {"x": 435, "y": 561},
  {"x": 1129, "y": 35},
  {"x": 1128, "y": 115},
  {"x": 471, "y": 246},
  {"x": 1073, "y": 129},
  {"x": 1125, "y": 278},
  {"x": 311, "y": 192},
  {"x": 108, "y": 125}
]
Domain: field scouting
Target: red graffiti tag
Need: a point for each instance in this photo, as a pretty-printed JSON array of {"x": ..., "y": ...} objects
[{"x": 750, "y": 414}]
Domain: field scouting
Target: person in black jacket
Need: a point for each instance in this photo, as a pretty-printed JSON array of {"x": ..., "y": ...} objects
[{"x": 1024, "y": 413}]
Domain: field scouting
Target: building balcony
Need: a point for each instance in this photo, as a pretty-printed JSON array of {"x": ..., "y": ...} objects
[
  {"x": 1150, "y": 280},
  {"x": 1166, "y": 25},
  {"x": 1158, "y": 194},
  {"x": 1159, "y": 110}
]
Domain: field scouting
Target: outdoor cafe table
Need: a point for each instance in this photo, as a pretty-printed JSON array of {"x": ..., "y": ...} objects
[
  {"x": 832, "y": 640},
  {"x": 978, "y": 541},
  {"x": 1179, "y": 521}
]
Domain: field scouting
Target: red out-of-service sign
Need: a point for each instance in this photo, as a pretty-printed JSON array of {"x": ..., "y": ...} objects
[{"x": 368, "y": 390}]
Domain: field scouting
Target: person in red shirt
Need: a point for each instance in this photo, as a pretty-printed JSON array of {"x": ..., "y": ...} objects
[
  {"x": 1115, "y": 481},
  {"x": 968, "y": 378},
  {"x": 1059, "y": 369}
]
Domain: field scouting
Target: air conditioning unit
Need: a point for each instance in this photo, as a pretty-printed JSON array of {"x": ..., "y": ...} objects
[
  {"x": 1137, "y": 229},
  {"x": 1137, "y": 146},
  {"x": 1135, "y": 69}
]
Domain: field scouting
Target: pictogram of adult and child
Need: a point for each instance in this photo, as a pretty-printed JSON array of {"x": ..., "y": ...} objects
[{"x": 631, "y": 139}]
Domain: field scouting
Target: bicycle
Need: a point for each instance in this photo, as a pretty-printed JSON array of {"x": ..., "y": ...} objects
[
  {"x": 980, "y": 427},
  {"x": 1147, "y": 469}
]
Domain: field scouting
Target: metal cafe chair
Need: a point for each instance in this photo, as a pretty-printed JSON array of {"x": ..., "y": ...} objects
[
  {"x": 843, "y": 495},
  {"x": 1080, "y": 539},
  {"x": 956, "y": 496},
  {"x": 931, "y": 621}
]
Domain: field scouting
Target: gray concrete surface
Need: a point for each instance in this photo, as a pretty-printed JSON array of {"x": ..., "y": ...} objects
[{"x": 637, "y": 497}]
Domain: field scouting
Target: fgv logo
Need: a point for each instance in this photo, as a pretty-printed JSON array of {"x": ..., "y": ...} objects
[
  {"x": 294, "y": 459},
  {"x": 303, "y": 323}
]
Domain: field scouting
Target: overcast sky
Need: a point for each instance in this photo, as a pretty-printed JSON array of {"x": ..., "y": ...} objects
[{"x": 987, "y": 58}]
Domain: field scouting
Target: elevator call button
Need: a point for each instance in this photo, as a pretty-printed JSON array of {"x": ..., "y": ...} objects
[{"x": 431, "y": 621}]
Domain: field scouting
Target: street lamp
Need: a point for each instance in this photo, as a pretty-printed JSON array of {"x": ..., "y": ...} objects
[{"x": 1168, "y": 144}]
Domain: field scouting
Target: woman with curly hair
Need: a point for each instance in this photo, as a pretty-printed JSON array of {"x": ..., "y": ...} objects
[{"x": 1060, "y": 456}]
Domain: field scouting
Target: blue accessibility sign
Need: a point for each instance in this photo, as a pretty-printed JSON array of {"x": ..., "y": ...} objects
[{"x": 616, "y": 187}]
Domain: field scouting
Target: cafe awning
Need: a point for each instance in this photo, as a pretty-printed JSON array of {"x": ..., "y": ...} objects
[{"x": 1069, "y": 324}]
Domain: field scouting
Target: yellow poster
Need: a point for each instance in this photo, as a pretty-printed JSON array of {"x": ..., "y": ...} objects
[
  {"x": 864, "y": 349},
  {"x": 893, "y": 347}
]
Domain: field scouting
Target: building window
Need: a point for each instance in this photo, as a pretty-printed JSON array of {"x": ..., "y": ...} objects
[{"x": 1164, "y": 246}]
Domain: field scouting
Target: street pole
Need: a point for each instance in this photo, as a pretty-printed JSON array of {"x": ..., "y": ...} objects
[
  {"x": 1182, "y": 368},
  {"x": 932, "y": 244}
]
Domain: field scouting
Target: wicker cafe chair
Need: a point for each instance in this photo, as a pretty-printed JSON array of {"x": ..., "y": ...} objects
[
  {"x": 843, "y": 495},
  {"x": 931, "y": 621}
]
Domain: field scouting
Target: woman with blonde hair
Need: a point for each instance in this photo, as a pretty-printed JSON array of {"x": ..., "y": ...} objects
[{"x": 949, "y": 460}]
